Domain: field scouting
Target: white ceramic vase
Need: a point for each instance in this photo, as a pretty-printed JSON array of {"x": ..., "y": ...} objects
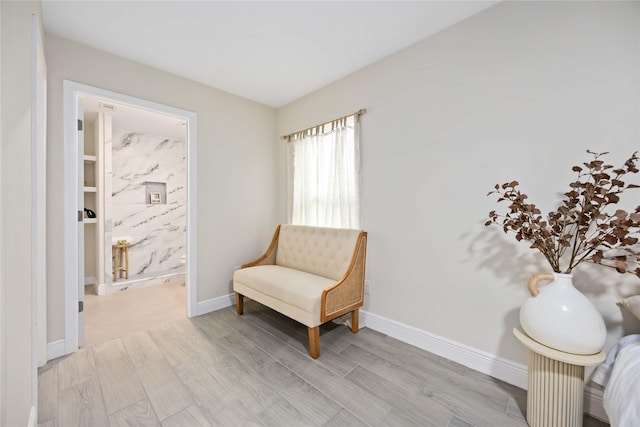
[{"x": 561, "y": 317}]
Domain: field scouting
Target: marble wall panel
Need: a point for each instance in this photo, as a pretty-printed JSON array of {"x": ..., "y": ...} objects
[{"x": 157, "y": 231}]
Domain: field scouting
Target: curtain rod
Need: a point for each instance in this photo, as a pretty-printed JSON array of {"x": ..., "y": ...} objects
[{"x": 357, "y": 113}]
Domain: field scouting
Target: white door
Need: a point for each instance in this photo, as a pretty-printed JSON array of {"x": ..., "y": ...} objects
[{"x": 80, "y": 166}]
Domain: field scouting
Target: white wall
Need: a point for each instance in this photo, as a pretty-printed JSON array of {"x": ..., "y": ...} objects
[
  {"x": 16, "y": 332},
  {"x": 236, "y": 164},
  {"x": 519, "y": 91},
  {"x": 2, "y": 347}
]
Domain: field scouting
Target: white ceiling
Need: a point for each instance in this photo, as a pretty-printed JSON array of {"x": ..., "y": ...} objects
[
  {"x": 273, "y": 52},
  {"x": 134, "y": 119}
]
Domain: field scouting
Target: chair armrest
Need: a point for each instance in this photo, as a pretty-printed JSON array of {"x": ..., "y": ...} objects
[
  {"x": 269, "y": 257},
  {"x": 347, "y": 294}
]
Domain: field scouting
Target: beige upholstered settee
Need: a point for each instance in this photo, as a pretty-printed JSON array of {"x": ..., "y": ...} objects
[{"x": 310, "y": 274}]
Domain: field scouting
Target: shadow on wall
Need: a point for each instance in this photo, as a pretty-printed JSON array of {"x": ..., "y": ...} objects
[
  {"x": 506, "y": 342},
  {"x": 506, "y": 259},
  {"x": 513, "y": 263},
  {"x": 596, "y": 281}
]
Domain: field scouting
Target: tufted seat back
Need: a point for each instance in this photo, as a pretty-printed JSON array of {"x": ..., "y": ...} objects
[{"x": 325, "y": 252}]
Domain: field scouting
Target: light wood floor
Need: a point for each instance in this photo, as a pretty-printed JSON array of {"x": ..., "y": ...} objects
[
  {"x": 221, "y": 369},
  {"x": 107, "y": 317}
]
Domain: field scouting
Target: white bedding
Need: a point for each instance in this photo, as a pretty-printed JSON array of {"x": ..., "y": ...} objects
[{"x": 622, "y": 392}]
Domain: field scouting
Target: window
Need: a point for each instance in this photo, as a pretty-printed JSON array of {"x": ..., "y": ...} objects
[{"x": 324, "y": 175}]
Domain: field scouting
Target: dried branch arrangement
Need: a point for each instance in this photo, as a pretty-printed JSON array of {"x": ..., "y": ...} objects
[{"x": 585, "y": 227}]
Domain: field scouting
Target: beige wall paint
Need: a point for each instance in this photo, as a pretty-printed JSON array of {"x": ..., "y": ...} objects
[
  {"x": 519, "y": 91},
  {"x": 236, "y": 164},
  {"x": 18, "y": 369},
  {"x": 2, "y": 347}
]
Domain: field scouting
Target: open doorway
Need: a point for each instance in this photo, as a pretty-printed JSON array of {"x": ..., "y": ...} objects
[
  {"x": 134, "y": 188},
  {"x": 108, "y": 120}
]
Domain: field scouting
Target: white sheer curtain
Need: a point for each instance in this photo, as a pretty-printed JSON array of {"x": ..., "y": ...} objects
[{"x": 324, "y": 175}]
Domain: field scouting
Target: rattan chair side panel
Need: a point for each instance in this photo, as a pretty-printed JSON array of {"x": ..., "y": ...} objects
[{"x": 348, "y": 293}]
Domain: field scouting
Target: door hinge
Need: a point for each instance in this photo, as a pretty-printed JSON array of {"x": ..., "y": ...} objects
[
  {"x": 80, "y": 216},
  {"x": 80, "y": 306},
  {"x": 79, "y": 124}
]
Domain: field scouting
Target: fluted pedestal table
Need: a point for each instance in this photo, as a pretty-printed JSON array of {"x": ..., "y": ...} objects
[{"x": 556, "y": 383}]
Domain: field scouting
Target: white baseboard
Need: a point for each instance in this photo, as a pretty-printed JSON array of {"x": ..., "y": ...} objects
[
  {"x": 478, "y": 360},
  {"x": 497, "y": 367},
  {"x": 593, "y": 404},
  {"x": 55, "y": 349},
  {"x": 33, "y": 417},
  {"x": 90, "y": 280},
  {"x": 214, "y": 304}
]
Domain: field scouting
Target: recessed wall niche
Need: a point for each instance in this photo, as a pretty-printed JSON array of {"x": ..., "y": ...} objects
[{"x": 155, "y": 193}]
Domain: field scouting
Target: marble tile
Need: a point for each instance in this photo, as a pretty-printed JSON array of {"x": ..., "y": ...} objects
[
  {"x": 157, "y": 231},
  {"x": 108, "y": 223}
]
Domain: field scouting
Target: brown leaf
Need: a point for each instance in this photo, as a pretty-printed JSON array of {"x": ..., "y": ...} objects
[
  {"x": 610, "y": 239},
  {"x": 597, "y": 257},
  {"x": 613, "y": 198},
  {"x": 620, "y": 213},
  {"x": 581, "y": 217}
]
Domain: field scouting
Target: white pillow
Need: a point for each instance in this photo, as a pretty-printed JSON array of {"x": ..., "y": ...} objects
[{"x": 632, "y": 304}]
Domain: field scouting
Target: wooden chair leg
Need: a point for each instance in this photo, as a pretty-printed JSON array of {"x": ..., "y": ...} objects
[
  {"x": 314, "y": 342},
  {"x": 239, "y": 304},
  {"x": 355, "y": 316}
]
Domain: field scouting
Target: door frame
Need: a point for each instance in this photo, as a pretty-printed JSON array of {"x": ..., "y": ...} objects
[
  {"x": 38, "y": 208},
  {"x": 72, "y": 90}
]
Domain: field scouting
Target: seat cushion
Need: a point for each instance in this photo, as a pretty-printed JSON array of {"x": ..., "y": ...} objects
[{"x": 294, "y": 293}]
